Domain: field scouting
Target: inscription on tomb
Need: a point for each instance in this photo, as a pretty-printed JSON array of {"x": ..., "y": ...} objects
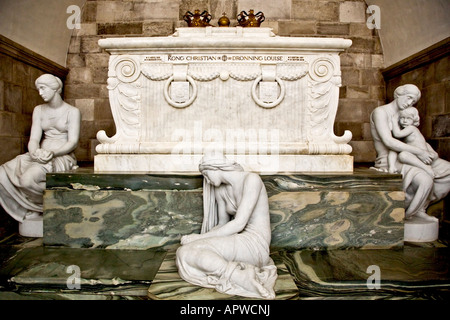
[{"x": 222, "y": 58}]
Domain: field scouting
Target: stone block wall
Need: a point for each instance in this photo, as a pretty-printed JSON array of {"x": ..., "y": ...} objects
[
  {"x": 18, "y": 97},
  {"x": 362, "y": 88}
]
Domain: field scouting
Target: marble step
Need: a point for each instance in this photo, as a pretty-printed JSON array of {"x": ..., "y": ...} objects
[
  {"x": 78, "y": 272},
  {"x": 31, "y": 271},
  {"x": 411, "y": 272}
]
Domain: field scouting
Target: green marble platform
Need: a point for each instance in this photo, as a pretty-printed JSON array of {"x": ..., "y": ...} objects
[
  {"x": 83, "y": 209},
  {"x": 412, "y": 272},
  {"x": 31, "y": 271},
  {"x": 50, "y": 271},
  {"x": 408, "y": 273}
]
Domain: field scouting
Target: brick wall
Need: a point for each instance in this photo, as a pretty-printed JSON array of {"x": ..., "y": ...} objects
[{"x": 362, "y": 84}]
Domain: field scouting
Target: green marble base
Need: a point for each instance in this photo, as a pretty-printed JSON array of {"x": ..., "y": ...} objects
[
  {"x": 360, "y": 210},
  {"x": 120, "y": 211},
  {"x": 83, "y": 209}
]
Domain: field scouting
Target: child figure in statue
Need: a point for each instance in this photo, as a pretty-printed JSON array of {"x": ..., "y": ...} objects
[
  {"x": 54, "y": 135},
  {"x": 405, "y": 126},
  {"x": 231, "y": 254},
  {"x": 420, "y": 186}
]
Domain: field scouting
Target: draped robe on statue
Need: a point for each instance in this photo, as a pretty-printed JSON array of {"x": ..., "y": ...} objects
[
  {"x": 246, "y": 249},
  {"x": 18, "y": 199}
]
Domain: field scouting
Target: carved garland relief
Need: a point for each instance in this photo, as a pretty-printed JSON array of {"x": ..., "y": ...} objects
[{"x": 268, "y": 89}]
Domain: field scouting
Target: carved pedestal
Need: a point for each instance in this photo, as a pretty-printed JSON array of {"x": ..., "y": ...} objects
[
  {"x": 32, "y": 227},
  {"x": 268, "y": 102}
]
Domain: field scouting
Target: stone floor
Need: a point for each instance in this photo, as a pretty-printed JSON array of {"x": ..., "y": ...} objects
[{"x": 29, "y": 270}]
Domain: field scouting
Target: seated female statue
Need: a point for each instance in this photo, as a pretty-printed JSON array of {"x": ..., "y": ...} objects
[{"x": 54, "y": 135}]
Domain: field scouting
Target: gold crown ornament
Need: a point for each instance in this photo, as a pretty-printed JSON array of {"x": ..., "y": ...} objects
[
  {"x": 197, "y": 19},
  {"x": 248, "y": 20},
  {"x": 224, "y": 21}
]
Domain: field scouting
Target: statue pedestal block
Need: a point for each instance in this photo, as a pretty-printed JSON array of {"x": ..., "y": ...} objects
[
  {"x": 32, "y": 227},
  {"x": 85, "y": 209},
  {"x": 421, "y": 230}
]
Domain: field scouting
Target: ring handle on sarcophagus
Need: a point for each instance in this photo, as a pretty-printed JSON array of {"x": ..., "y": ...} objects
[
  {"x": 180, "y": 105},
  {"x": 268, "y": 105}
]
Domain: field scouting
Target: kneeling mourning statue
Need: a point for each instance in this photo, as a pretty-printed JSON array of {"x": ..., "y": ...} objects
[
  {"x": 231, "y": 254},
  {"x": 54, "y": 135}
]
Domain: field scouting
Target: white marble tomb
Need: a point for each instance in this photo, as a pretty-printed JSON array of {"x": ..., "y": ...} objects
[{"x": 265, "y": 101}]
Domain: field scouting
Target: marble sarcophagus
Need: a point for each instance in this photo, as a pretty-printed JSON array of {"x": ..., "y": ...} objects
[{"x": 266, "y": 101}]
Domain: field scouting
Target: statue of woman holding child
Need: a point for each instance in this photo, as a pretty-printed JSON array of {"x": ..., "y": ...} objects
[
  {"x": 54, "y": 135},
  {"x": 422, "y": 183}
]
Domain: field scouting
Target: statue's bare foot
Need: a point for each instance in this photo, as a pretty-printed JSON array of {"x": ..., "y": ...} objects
[
  {"x": 379, "y": 169},
  {"x": 249, "y": 281},
  {"x": 32, "y": 215}
]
